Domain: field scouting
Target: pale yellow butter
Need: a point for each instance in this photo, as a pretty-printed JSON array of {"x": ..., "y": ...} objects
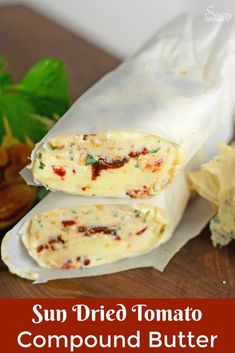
[
  {"x": 216, "y": 183},
  {"x": 86, "y": 236}
]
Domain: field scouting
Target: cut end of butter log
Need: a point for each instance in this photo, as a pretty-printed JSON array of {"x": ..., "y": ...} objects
[
  {"x": 215, "y": 182},
  {"x": 112, "y": 164},
  {"x": 86, "y": 236}
]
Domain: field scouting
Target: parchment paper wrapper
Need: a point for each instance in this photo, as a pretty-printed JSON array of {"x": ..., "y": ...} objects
[{"x": 180, "y": 86}]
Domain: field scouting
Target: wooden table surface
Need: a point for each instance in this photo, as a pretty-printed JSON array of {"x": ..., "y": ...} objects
[{"x": 198, "y": 270}]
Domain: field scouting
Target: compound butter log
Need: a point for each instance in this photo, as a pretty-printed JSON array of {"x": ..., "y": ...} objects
[{"x": 92, "y": 235}]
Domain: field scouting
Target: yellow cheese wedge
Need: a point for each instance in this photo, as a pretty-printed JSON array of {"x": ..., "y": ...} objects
[
  {"x": 216, "y": 183},
  {"x": 114, "y": 164},
  {"x": 85, "y": 236}
]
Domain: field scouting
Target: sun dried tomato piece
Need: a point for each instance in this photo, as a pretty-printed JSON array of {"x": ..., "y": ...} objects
[
  {"x": 40, "y": 248},
  {"x": 143, "y": 192},
  {"x": 99, "y": 229},
  {"x": 137, "y": 154},
  {"x": 68, "y": 223},
  {"x": 60, "y": 171},
  {"x": 141, "y": 231},
  {"x": 86, "y": 262},
  {"x": 67, "y": 265},
  {"x": 102, "y": 164}
]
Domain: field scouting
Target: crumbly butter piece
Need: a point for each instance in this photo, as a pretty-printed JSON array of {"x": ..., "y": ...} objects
[
  {"x": 112, "y": 164},
  {"x": 85, "y": 236},
  {"x": 216, "y": 183}
]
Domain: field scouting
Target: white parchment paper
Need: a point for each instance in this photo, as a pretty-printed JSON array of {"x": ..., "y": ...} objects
[{"x": 179, "y": 86}]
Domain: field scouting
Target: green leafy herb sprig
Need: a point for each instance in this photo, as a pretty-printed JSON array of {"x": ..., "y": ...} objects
[{"x": 30, "y": 107}]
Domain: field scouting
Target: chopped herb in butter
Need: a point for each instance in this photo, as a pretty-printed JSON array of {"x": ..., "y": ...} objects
[
  {"x": 137, "y": 213},
  {"x": 155, "y": 150},
  {"x": 41, "y": 165},
  {"x": 53, "y": 147},
  {"x": 90, "y": 160}
]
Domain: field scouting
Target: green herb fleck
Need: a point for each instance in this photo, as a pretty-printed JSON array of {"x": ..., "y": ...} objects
[
  {"x": 155, "y": 150},
  {"x": 41, "y": 165},
  {"x": 87, "y": 212},
  {"x": 90, "y": 160},
  {"x": 74, "y": 212},
  {"x": 146, "y": 215},
  {"x": 72, "y": 144},
  {"x": 115, "y": 229},
  {"x": 53, "y": 147},
  {"x": 137, "y": 213},
  {"x": 137, "y": 164},
  {"x": 71, "y": 158},
  {"x": 216, "y": 219},
  {"x": 40, "y": 223}
]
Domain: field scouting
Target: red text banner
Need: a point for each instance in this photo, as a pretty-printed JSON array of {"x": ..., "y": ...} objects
[{"x": 93, "y": 325}]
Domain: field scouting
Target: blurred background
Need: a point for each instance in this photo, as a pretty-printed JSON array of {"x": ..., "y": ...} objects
[{"x": 118, "y": 26}]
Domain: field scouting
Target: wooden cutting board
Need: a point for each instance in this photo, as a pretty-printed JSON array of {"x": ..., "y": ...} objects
[{"x": 197, "y": 270}]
